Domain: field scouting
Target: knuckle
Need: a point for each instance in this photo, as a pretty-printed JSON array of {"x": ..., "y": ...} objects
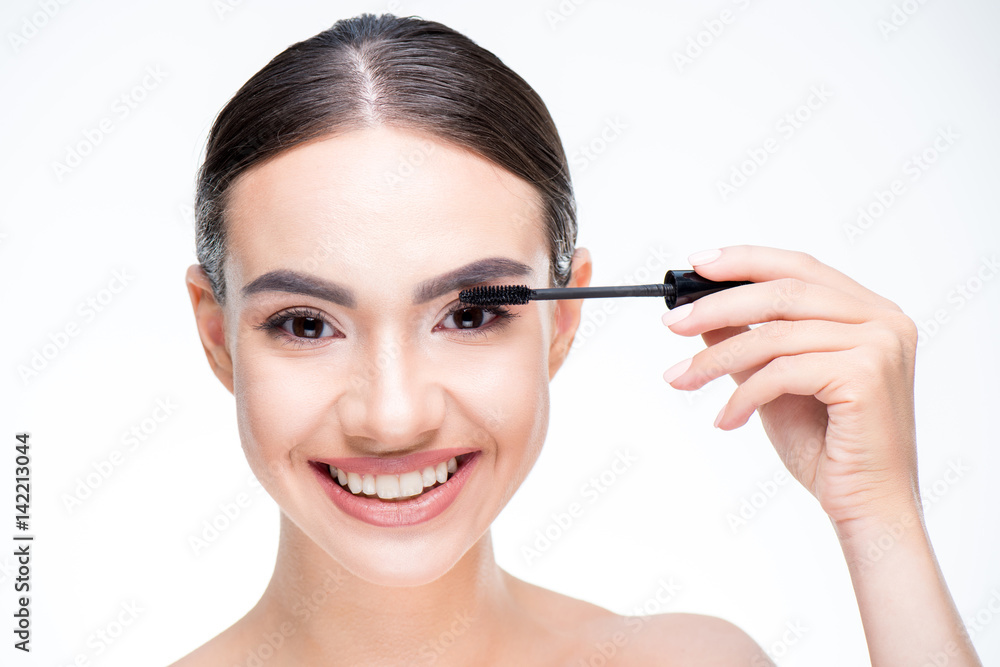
[
  {"x": 805, "y": 260},
  {"x": 867, "y": 363},
  {"x": 903, "y": 325},
  {"x": 892, "y": 305},
  {"x": 776, "y": 331},
  {"x": 789, "y": 289},
  {"x": 896, "y": 337},
  {"x": 780, "y": 365}
]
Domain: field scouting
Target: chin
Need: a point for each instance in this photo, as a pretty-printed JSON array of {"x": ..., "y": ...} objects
[{"x": 398, "y": 565}]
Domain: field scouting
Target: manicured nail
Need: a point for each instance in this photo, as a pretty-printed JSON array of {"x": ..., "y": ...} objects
[
  {"x": 718, "y": 418},
  {"x": 677, "y": 314},
  {"x": 704, "y": 257},
  {"x": 677, "y": 370}
]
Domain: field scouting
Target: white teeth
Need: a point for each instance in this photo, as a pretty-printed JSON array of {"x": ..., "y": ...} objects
[
  {"x": 353, "y": 481},
  {"x": 387, "y": 486},
  {"x": 410, "y": 484},
  {"x": 404, "y": 485}
]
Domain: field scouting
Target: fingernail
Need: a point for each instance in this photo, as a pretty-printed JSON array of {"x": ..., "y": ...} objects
[
  {"x": 677, "y": 314},
  {"x": 718, "y": 418},
  {"x": 677, "y": 370},
  {"x": 704, "y": 256}
]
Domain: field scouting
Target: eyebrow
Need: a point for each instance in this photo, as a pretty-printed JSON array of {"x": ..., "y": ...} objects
[{"x": 474, "y": 273}]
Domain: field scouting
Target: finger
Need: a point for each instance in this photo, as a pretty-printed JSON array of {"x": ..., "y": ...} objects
[
  {"x": 761, "y": 263},
  {"x": 809, "y": 374},
  {"x": 718, "y": 335},
  {"x": 758, "y": 346},
  {"x": 781, "y": 299}
]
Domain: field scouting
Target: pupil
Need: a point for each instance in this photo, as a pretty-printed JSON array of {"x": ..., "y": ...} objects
[
  {"x": 306, "y": 327},
  {"x": 466, "y": 319}
]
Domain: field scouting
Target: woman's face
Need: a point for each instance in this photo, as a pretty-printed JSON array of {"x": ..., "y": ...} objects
[{"x": 340, "y": 339}]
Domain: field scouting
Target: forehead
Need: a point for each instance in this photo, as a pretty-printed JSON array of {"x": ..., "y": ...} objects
[{"x": 383, "y": 203}]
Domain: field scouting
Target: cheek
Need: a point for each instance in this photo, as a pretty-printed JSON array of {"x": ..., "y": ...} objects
[
  {"x": 504, "y": 392},
  {"x": 278, "y": 400}
]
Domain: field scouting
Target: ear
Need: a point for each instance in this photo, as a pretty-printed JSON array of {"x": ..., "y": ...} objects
[
  {"x": 209, "y": 318},
  {"x": 566, "y": 317}
]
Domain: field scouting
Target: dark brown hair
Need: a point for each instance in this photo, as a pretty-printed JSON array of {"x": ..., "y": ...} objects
[{"x": 386, "y": 70}]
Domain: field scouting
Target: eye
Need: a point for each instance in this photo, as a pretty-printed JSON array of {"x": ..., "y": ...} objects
[
  {"x": 305, "y": 327},
  {"x": 298, "y": 325},
  {"x": 470, "y": 319}
]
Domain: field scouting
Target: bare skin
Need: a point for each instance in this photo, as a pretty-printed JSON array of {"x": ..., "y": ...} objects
[
  {"x": 533, "y": 626},
  {"x": 381, "y": 376}
]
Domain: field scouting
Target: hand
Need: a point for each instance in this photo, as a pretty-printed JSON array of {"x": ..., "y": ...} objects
[{"x": 830, "y": 373}]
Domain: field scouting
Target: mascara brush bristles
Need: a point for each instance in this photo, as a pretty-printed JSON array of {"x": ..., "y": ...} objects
[
  {"x": 497, "y": 295},
  {"x": 516, "y": 295}
]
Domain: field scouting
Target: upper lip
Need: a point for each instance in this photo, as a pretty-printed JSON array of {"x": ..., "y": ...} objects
[{"x": 373, "y": 465}]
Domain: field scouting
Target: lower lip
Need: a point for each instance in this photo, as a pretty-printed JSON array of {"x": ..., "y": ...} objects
[{"x": 423, "y": 508}]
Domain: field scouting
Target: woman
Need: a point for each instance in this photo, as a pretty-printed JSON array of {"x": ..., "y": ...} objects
[{"x": 350, "y": 190}]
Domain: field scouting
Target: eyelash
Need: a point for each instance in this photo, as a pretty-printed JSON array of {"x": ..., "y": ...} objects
[{"x": 273, "y": 325}]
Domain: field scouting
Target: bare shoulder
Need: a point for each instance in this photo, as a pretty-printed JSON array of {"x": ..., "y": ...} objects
[
  {"x": 223, "y": 649},
  {"x": 595, "y": 635},
  {"x": 682, "y": 639},
  {"x": 212, "y": 652}
]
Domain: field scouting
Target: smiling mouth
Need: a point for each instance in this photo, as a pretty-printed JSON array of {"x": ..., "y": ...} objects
[{"x": 396, "y": 488}]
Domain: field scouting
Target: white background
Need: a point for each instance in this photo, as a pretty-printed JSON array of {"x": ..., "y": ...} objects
[{"x": 662, "y": 135}]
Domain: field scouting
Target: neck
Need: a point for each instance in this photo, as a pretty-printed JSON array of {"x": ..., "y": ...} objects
[{"x": 318, "y": 610}]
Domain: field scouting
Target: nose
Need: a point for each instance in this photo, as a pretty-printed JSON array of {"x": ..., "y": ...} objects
[{"x": 395, "y": 401}]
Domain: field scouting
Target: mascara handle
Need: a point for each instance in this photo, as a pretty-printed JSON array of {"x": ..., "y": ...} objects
[{"x": 688, "y": 286}]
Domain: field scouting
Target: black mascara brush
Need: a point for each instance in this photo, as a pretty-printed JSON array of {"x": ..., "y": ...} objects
[{"x": 679, "y": 287}]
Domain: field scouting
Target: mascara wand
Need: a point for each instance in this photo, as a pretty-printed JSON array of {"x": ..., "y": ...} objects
[{"x": 679, "y": 287}]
